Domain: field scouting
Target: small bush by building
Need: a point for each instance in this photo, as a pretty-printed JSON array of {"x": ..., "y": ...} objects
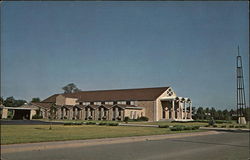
[{"x": 163, "y": 126}]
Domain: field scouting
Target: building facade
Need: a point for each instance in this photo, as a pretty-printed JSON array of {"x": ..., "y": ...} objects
[{"x": 157, "y": 104}]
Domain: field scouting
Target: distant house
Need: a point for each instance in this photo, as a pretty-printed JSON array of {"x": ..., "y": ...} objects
[{"x": 155, "y": 103}]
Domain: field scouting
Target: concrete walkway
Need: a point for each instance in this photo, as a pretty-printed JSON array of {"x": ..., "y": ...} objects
[{"x": 81, "y": 143}]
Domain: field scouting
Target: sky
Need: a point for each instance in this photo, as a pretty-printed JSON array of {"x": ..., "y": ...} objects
[{"x": 190, "y": 46}]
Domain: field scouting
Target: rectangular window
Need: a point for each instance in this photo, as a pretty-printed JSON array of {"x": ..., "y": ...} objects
[
  {"x": 97, "y": 103},
  {"x": 121, "y": 102},
  {"x": 132, "y": 102},
  {"x": 110, "y": 103}
]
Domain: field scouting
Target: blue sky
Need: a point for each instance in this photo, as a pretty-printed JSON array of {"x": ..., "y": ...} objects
[{"x": 190, "y": 46}]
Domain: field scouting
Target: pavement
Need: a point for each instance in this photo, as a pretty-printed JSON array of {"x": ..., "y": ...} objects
[{"x": 216, "y": 145}]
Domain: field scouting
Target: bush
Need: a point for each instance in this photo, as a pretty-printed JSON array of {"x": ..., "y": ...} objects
[
  {"x": 37, "y": 117},
  {"x": 195, "y": 127},
  {"x": 177, "y": 128},
  {"x": 207, "y": 125},
  {"x": 143, "y": 118},
  {"x": 78, "y": 123},
  {"x": 112, "y": 124},
  {"x": 222, "y": 121},
  {"x": 231, "y": 126},
  {"x": 126, "y": 119},
  {"x": 90, "y": 123},
  {"x": 188, "y": 128},
  {"x": 68, "y": 124},
  {"x": 103, "y": 123},
  {"x": 241, "y": 126},
  {"x": 215, "y": 126},
  {"x": 163, "y": 126},
  {"x": 211, "y": 122},
  {"x": 223, "y": 126}
]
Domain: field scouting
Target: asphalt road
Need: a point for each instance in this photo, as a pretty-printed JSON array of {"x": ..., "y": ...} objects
[{"x": 224, "y": 146}]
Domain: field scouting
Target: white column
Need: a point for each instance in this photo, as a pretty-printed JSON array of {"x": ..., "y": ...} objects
[
  {"x": 102, "y": 113},
  {"x": 88, "y": 113},
  {"x": 185, "y": 110},
  {"x": 173, "y": 111},
  {"x": 179, "y": 108},
  {"x": 116, "y": 112},
  {"x": 190, "y": 110}
]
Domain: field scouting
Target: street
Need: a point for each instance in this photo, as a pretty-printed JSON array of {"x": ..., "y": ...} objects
[{"x": 226, "y": 145}]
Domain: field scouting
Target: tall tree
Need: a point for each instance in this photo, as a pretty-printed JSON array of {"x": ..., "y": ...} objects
[
  {"x": 70, "y": 88},
  {"x": 9, "y": 102},
  {"x": 37, "y": 99},
  {"x": 1, "y": 100},
  {"x": 226, "y": 115},
  {"x": 200, "y": 113}
]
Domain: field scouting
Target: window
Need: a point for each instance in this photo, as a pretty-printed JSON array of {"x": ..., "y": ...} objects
[
  {"x": 121, "y": 102},
  {"x": 127, "y": 102},
  {"x": 80, "y": 103},
  {"x": 85, "y": 103},
  {"x": 110, "y": 103},
  {"x": 132, "y": 102},
  {"x": 91, "y": 103},
  {"x": 97, "y": 103}
]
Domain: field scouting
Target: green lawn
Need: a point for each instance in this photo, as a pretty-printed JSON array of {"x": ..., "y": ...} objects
[{"x": 11, "y": 134}]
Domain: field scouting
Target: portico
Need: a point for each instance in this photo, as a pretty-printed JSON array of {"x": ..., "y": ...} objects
[{"x": 176, "y": 108}]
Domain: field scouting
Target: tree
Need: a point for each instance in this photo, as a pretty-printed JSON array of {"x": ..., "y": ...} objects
[
  {"x": 70, "y": 88},
  {"x": 9, "y": 102},
  {"x": 200, "y": 113},
  {"x": 20, "y": 102},
  {"x": 1, "y": 100},
  {"x": 37, "y": 99},
  {"x": 226, "y": 115},
  {"x": 207, "y": 113}
]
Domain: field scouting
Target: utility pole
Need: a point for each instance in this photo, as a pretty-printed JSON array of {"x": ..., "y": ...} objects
[{"x": 241, "y": 101}]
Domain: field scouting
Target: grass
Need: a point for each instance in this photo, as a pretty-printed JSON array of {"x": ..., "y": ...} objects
[{"x": 12, "y": 134}]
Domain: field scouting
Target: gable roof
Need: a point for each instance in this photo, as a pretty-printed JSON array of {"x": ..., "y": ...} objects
[
  {"x": 51, "y": 99},
  {"x": 113, "y": 95}
]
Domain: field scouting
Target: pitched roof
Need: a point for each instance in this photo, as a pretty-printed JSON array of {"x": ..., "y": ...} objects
[
  {"x": 42, "y": 104},
  {"x": 51, "y": 99},
  {"x": 118, "y": 95}
]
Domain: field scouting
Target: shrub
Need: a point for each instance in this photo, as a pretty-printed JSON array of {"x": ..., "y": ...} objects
[
  {"x": 242, "y": 126},
  {"x": 126, "y": 119},
  {"x": 231, "y": 126},
  {"x": 195, "y": 127},
  {"x": 177, "y": 128},
  {"x": 112, "y": 124},
  {"x": 188, "y": 128},
  {"x": 103, "y": 123},
  {"x": 37, "y": 117},
  {"x": 207, "y": 125},
  {"x": 223, "y": 126},
  {"x": 211, "y": 122},
  {"x": 163, "y": 126},
  {"x": 69, "y": 123},
  {"x": 90, "y": 123},
  {"x": 78, "y": 123},
  {"x": 215, "y": 126},
  {"x": 143, "y": 118}
]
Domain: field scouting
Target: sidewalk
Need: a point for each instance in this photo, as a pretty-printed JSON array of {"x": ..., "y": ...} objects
[{"x": 81, "y": 143}]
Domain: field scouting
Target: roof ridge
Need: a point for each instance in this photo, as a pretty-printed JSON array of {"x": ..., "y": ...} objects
[{"x": 117, "y": 89}]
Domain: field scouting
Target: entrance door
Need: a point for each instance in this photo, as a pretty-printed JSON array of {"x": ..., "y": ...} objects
[{"x": 163, "y": 113}]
